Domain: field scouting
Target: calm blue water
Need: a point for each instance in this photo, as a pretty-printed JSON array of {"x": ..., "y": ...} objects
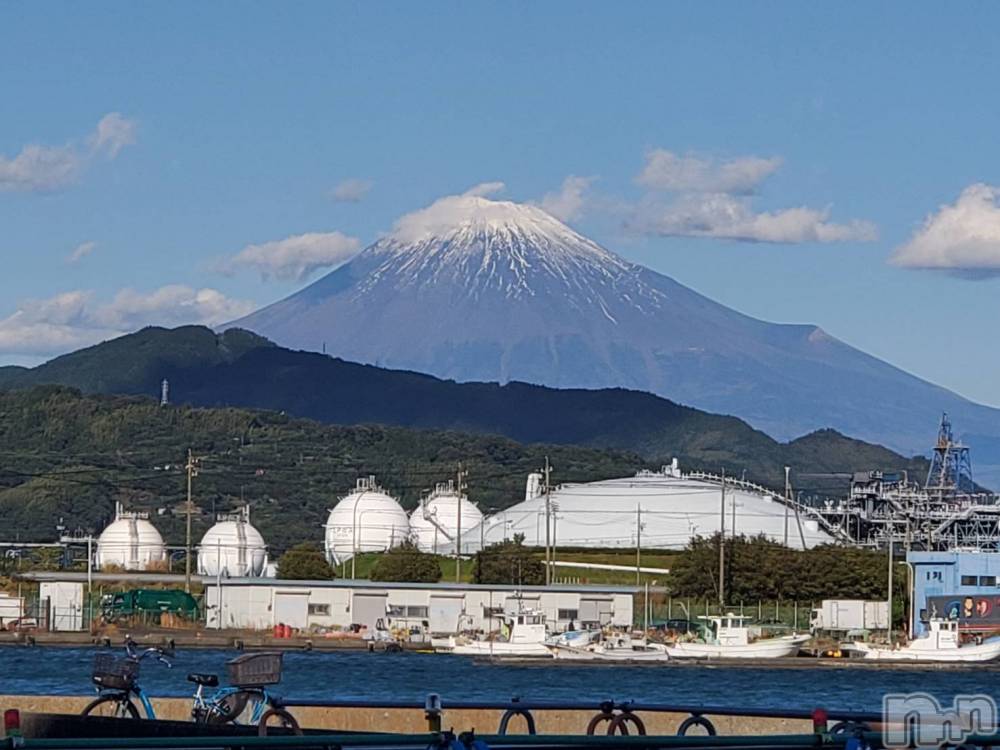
[{"x": 410, "y": 676}]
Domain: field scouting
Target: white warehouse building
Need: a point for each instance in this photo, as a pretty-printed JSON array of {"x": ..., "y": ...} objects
[
  {"x": 438, "y": 520},
  {"x": 442, "y": 608},
  {"x": 367, "y": 520},
  {"x": 665, "y": 509}
]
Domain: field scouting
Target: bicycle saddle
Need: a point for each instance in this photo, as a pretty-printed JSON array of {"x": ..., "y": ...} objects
[{"x": 208, "y": 680}]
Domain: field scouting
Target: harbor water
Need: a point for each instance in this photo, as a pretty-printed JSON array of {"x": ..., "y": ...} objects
[{"x": 410, "y": 676}]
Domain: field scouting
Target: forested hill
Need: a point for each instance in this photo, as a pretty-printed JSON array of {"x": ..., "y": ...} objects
[
  {"x": 238, "y": 368},
  {"x": 68, "y": 457}
]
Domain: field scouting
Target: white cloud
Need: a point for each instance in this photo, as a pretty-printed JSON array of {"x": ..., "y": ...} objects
[
  {"x": 113, "y": 133},
  {"x": 722, "y": 216},
  {"x": 446, "y": 213},
  {"x": 665, "y": 170},
  {"x": 484, "y": 190},
  {"x": 295, "y": 258},
  {"x": 351, "y": 191},
  {"x": 689, "y": 196},
  {"x": 963, "y": 238},
  {"x": 74, "y": 319},
  {"x": 81, "y": 251},
  {"x": 567, "y": 203},
  {"x": 38, "y": 168}
]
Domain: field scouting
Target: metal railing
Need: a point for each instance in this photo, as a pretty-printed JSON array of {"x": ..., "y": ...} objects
[
  {"x": 446, "y": 741},
  {"x": 614, "y": 725}
]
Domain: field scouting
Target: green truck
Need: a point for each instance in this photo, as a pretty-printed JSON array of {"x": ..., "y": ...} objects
[{"x": 148, "y": 603}]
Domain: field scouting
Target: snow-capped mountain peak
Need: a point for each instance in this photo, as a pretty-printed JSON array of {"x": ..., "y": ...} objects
[
  {"x": 476, "y": 214},
  {"x": 477, "y": 289},
  {"x": 484, "y": 244}
]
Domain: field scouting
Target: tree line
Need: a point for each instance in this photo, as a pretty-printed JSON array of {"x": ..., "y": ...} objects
[{"x": 759, "y": 568}]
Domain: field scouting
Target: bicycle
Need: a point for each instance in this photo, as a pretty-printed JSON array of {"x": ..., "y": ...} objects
[
  {"x": 117, "y": 682},
  {"x": 247, "y": 698}
]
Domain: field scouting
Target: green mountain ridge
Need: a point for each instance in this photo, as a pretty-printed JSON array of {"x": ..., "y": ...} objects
[
  {"x": 240, "y": 369},
  {"x": 66, "y": 459}
]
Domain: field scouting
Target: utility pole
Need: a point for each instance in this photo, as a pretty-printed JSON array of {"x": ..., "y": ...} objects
[
  {"x": 460, "y": 487},
  {"x": 638, "y": 543},
  {"x": 192, "y": 472},
  {"x": 548, "y": 514},
  {"x": 890, "y": 584},
  {"x": 788, "y": 495},
  {"x": 722, "y": 546}
]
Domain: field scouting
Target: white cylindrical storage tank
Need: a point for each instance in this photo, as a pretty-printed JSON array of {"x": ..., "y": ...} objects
[
  {"x": 434, "y": 523},
  {"x": 130, "y": 542},
  {"x": 232, "y": 548},
  {"x": 367, "y": 520}
]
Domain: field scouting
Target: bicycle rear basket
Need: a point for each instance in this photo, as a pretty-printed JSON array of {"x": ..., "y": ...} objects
[
  {"x": 112, "y": 673},
  {"x": 255, "y": 670}
]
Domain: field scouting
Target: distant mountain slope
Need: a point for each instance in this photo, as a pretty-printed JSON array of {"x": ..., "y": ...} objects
[
  {"x": 136, "y": 363},
  {"x": 239, "y": 369},
  {"x": 480, "y": 290},
  {"x": 68, "y": 458}
]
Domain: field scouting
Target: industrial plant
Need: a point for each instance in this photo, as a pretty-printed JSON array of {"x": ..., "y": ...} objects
[
  {"x": 662, "y": 509},
  {"x": 948, "y": 510}
]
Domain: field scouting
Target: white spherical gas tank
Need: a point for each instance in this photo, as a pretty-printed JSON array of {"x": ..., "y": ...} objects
[
  {"x": 367, "y": 520},
  {"x": 130, "y": 542},
  {"x": 232, "y": 548},
  {"x": 435, "y": 522}
]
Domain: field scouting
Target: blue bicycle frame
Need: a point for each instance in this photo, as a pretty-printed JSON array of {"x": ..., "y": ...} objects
[
  {"x": 147, "y": 705},
  {"x": 259, "y": 706}
]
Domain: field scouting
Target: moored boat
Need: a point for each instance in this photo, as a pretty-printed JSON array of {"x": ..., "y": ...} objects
[
  {"x": 617, "y": 647},
  {"x": 941, "y": 643},
  {"x": 728, "y": 637},
  {"x": 523, "y": 635}
]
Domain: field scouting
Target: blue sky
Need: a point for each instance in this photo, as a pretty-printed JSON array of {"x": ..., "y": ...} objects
[{"x": 172, "y": 137}]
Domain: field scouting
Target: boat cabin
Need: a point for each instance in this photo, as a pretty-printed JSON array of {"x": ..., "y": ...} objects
[
  {"x": 941, "y": 634},
  {"x": 526, "y": 626},
  {"x": 728, "y": 629}
]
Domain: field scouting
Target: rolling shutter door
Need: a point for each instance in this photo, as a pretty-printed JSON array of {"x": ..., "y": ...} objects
[{"x": 367, "y": 609}]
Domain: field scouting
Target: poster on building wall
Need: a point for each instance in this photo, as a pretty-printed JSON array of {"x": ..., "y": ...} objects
[{"x": 973, "y": 611}]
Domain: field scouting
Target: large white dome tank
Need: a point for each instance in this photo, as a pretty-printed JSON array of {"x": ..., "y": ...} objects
[
  {"x": 435, "y": 522},
  {"x": 232, "y": 548},
  {"x": 367, "y": 520},
  {"x": 130, "y": 542}
]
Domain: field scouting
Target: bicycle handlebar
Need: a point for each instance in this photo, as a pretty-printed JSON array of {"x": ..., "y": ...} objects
[{"x": 155, "y": 651}]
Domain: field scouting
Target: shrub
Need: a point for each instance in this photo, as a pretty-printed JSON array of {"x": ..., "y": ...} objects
[
  {"x": 305, "y": 561},
  {"x": 407, "y": 563}
]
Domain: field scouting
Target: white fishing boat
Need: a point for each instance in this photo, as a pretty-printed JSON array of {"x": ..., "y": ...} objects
[
  {"x": 728, "y": 637},
  {"x": 617, "y": 647},
  {"x": 940, "y": 643},
  {"x": 523, "y": 634}
]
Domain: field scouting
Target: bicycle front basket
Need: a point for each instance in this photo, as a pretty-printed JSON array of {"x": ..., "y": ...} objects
[
  {"x": 112, "y": 673},
  {"x": 255, "y": 670}
]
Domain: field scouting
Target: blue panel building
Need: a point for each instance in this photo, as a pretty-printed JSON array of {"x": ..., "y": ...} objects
[{"x": 956, "y": 585}]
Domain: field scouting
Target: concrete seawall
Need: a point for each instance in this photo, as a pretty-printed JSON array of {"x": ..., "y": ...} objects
[{"x": 412, "y": 720}]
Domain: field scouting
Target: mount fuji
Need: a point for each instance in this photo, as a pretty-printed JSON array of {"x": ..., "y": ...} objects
[{"x": 476, "y": 289}]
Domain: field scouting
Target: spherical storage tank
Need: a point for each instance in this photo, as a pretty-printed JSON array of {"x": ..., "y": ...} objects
[
  {"x": 435, "y": 522},
  {"x": 232, "y": 548},
  {"x": 367, "y": 520},
  {"x": 130, "y": 542}
]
